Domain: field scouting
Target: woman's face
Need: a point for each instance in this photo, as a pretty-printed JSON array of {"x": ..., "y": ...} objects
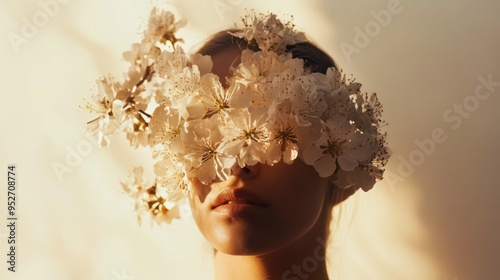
[{"x": 260, "y": 208}]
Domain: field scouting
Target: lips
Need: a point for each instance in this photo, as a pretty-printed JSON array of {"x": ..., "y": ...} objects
[{"x": 236, "y": 197}]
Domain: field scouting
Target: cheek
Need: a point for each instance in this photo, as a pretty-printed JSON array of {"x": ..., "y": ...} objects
[
  {"x": 197, "y": 195},
  {"x": 301, "y": 208},
  {"x": 215, "y": 232},
  {"x": 298, "y": 197}
]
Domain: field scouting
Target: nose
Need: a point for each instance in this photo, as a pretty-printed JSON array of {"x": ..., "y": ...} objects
[{"x": 246, "y": 172}]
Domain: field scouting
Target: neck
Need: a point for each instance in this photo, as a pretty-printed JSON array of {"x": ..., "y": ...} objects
[{"x": 302, "y": 259}]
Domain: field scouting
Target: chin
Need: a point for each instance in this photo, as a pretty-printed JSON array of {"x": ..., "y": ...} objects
[{"x": 240, "y": 240}]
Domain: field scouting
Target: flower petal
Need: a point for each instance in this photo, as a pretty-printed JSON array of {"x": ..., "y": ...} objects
[
  {"x": 311, "y": 154},
  {"x": 325, "y": 166},
  {"x": 347, "y": 163}
]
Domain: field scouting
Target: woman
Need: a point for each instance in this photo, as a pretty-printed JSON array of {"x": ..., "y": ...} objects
[
  {"x": 265, "y": 221},
  {"x": 258, "y": 130}
]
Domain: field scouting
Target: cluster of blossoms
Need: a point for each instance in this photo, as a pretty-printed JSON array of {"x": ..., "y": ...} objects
[{"x": 273, "y": 109}]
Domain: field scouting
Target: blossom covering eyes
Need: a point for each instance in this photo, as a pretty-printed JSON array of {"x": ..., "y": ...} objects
[{"x": 272, "y": 109}]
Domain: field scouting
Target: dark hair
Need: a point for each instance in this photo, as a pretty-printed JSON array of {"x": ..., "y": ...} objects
[{"x": 315, "y": 59}]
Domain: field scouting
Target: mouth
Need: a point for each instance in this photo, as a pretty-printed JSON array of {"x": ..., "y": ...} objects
[
  {"x": 236, "y": 197},
  {"x": 236, "y": 202}
]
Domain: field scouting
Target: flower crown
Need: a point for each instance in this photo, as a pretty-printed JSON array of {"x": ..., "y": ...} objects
[{"x": 273, "y": 109}]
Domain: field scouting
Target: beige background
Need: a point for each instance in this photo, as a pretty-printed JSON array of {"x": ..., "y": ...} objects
[{"x": 438, "y": 220}]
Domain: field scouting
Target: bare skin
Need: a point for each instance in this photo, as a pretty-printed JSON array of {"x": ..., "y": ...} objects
[
  {"x": 284, "y": 263},
  {"x": 281, "y": 238}
]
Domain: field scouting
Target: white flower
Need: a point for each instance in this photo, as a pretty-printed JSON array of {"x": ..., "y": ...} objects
[
  {"x": 180, "y": 92},
  {"x": 151, "y": 200},
  {"x": 272, "y": 109},
  {"x": 287, "y": 134},
  {"x": 340, "y": 144},
  {"x": 136, "y": 188},
  {"x": 166, "y": 132},
  {"x": 213, "y": 95},
  {"x": 184, "y": 83},
  {"x": 367, "y": 113},
  {"x": 138, "y": 138},
  {"x": 205, "y": 150},
  {"x": 102, "y": 102},
  {"x": 247, "y": 135},
  {"x": 129, "y": 110},
  {"x": 330, "y": 81},
  {"x": 170, "y": 63},
  {"x": 171, "y": 178},
  {"x": 204, "y": 62},
  {"x": 268, "y": 33},
  {"x": 307, "y": 103},
  {"x": 285, "y": 137},
  {"x": 162, "y": 25},
  {"x": 103, "y": 127},
  {"x": 265, "y": 77},
  {"x": 361, "y": 179},
  {"x": 257, "y": 68},
  {"x": 284, "y": 85},
  {"x": 139, "y": 56},
  {"x": 357, "y": 178},
  {"x": 340, "y": 101},
  {"x": 161, "y": 209}
]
